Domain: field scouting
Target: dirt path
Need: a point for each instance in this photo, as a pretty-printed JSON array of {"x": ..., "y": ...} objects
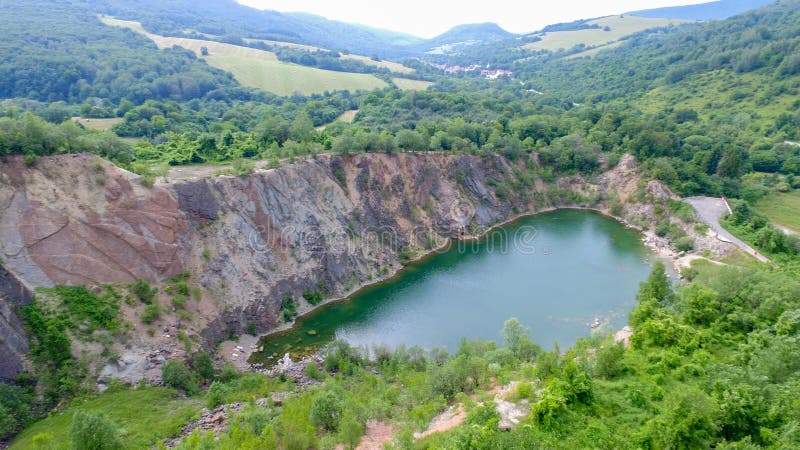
[
  {"x": 711, "y": 210},
  {"x": 453, "y": 417},
  {"x": 376, "y": 436}
]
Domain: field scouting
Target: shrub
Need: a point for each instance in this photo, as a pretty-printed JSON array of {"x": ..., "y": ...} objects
[
  {"x": 182, "y": 288},
  {"x": 326, "y": 411},
  {"x": 152, "y": 312},
  {"x": 685, "y": 244},
  {"x": 142, "y": 290},
  {"x": 176, "y": 375},
  {"x": 609, "y": 361},
  {"x": 93, "y": 432},
  {"x": 203, "y": 365},
  {"x": 312, "y": 371}
]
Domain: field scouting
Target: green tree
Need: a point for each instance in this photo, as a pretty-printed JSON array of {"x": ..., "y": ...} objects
[
  {"x": 94, "y": 432},
  {"x": 177, "y": 375},
  {"x": 326, "y": 411}
]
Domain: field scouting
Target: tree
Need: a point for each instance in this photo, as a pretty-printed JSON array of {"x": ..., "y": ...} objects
[
  {"x": 608, "y": 363},
  {"x": 351, "y": 431},
  {"x": 94, "y": 432},
  {"x": 326, "y": 411},
  {"x": 176, "y": 375},
  {"x": 204, "y": 366},
  {"x": 514, "y": 335}
]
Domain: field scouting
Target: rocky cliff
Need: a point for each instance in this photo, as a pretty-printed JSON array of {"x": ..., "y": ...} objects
[
  {"x": 13, "y": 340},
  {"x": 327, "y": 225}
]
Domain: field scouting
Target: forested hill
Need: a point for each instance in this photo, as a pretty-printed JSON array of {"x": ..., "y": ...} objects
[
  {"x": 718, "y": 10},
  {"x": 54, "y": 50},
  {"x": 764, "y": 41},
  {"x": 223, "y": 18}
]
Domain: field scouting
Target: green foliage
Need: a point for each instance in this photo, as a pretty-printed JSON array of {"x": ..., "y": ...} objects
[
  {"x": 288, "y": 308},
  {"x": 152, "y": 313},
  {"x": 143, "y": 292},
  {"x": 94, "y": 432},
  {"x": 313, "y": 297},
  {"x": 609, "y": 361},
  {"x": 204, "y": 366},
  {"x": 685, "y": 244},
  {"x": 15, "y": 408},
  {"x": 177, "y": 375},
  {"x": 327, "y": 409},
  {"x": 85, "y": 306}
]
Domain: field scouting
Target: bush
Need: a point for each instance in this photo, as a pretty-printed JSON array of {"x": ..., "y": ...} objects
[
  {"x": 608, "y": 364},
  {"x": 203, "y": 365},
  {"x": 143, "y": 292},
  {"x": 93, "y": 432},
  {"x": 685, "y": 244},
  {"x": 15, "y": 408},
  {"x": 176, "y": 375},
  {"x": 151, "y": 313},
  {"x": 312, "y": 371},
  {"x": 326, "y": 411}
]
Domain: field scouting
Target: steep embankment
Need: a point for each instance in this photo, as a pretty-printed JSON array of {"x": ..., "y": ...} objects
[{"x": 327, "y": 225}]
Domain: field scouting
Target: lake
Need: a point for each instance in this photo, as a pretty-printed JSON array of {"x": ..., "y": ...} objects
[{"x": 560, "y": 273}]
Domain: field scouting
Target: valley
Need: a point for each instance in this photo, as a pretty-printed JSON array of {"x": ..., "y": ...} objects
[{"x": 225, "y": 227}]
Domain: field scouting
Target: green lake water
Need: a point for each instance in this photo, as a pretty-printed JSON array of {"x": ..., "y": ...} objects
[{"x": 556, "y": 272}]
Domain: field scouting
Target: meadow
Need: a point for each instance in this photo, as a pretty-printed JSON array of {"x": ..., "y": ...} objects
[
  {"x": 261, "y": 69},
  {"x": 782, "y": 209},
  {"x": 619, "y": 27}
]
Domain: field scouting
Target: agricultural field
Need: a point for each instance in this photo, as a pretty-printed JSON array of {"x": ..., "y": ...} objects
[
  {"x": 783, "y": 209},
  {"x": 619, "y": 27},
  {"x": 346, "y": 117},
  {"x": 393, "y": 66},
  {"x": 261, "y": 69},
  {"x": 407, "y": 84},
  {"x": 97, "y": 124}
]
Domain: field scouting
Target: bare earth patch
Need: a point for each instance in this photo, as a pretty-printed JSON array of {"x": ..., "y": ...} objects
[
  {"x": 453, "y": 417},
  {"x": 376, "y": 435}
]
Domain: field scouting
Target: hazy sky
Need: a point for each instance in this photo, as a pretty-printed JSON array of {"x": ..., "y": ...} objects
[{"x": 428, "y": 18}]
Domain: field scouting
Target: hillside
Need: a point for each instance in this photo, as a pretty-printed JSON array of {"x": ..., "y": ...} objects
[
  {"x": 605, "y": 32},
  {"x": 716, "y": 10},
  {"x": 161, "y": 207},
  {"x": 258, "y": 68},
  {"x": 229, "y": 18},
  {"x": 465, "y": 35}
]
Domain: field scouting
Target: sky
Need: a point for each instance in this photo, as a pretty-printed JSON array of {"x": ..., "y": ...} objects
[{"x": 428, "y": 18}]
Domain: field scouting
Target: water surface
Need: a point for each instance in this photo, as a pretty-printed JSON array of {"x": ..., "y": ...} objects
[{"x": 556, "y": 272}]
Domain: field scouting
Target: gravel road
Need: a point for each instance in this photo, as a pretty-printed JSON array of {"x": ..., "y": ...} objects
[{"x": 710, "y": 210}]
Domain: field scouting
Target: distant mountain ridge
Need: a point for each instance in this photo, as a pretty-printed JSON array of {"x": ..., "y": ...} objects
[{"x": 717, "y": 10}]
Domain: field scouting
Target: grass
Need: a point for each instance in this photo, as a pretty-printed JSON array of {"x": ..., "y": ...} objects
[
  {"x": 411, "y": 85},
  {"x": 97, "y": 124},
  {"x": 620, "y": 26},
  {"x": 782, "y": 209},
  {"x": 261, "y": 69},
  {"x": 393, "y": 66},
  {"x": 144, "y": 416},
  {"x": 346, "y": 117}
]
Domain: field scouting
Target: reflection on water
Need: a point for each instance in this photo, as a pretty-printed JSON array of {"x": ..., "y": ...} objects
[{"x": 578, "y": 266}]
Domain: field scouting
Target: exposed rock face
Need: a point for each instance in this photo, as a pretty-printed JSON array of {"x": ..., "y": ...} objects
[
  {"x": 13, "y": 340},
  {"x": 328, "y": 224}
]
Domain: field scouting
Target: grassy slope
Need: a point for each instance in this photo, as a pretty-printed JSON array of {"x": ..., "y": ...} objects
[
  {"x": 620, "y": 27},
  {"x": 98, "y": 124},
  {"x": 782, "y": 209},
  {"x": 145, "y": 415},
  {"x": 411, "y": 85},
  {"x": 261, "y": 69}
]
